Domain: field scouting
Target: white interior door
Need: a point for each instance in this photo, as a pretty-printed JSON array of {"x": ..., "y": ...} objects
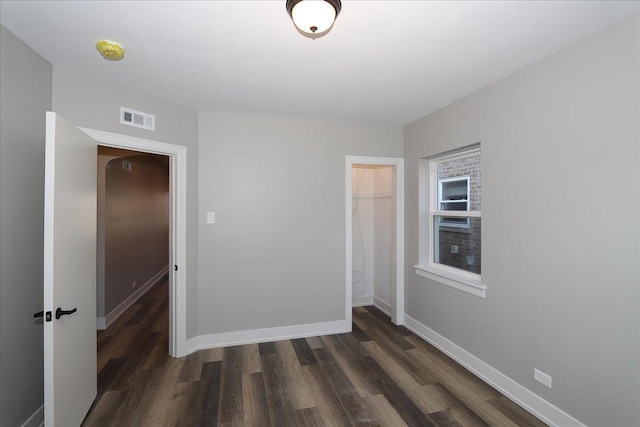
[{"x": 69, "y": 273}]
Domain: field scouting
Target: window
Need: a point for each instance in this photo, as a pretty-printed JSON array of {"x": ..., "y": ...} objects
[
  {"x": 453, "y": 195},
  {"x": 450, "y": 232}
]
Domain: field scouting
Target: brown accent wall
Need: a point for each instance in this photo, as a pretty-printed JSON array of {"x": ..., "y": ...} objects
[{"x": 136, "y": 224}]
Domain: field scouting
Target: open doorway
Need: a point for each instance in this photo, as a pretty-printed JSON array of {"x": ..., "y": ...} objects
[
  {"x": 132, "y": 229},
  {"x": 374, "y": 260},
  {"x": 133, "y": 256}
]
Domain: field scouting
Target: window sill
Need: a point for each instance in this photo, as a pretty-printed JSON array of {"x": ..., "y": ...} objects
[{"x": 444, "y": 277}]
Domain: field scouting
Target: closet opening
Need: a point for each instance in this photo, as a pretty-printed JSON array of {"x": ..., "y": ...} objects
[
  {"x": 375, "y": 235},
  {"x": 373, "y": 260}
]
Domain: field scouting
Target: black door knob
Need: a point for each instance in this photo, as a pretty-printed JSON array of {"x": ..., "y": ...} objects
[{"x": 60, "y": 312}]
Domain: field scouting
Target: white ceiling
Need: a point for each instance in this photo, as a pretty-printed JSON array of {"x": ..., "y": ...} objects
[{"x": 388, "y": 62}]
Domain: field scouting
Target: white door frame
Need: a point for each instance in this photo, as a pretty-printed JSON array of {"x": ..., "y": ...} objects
[
  {"x": 397, "y": 293},
  {"x": 177, "y": 225}
]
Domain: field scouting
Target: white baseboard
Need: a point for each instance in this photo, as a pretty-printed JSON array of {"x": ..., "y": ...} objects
[
  {"x": 106, "y": 321},
  {"x": 382, "y": 306},
  {"x": 36, "y": 419},
  {"x": 366, "y": 300},
  {"x": 100, "y": 324},
  {"x": 362, "y": 300},
  {"x": 530, "y": 401},
  {"x": 254, "y": 336}
]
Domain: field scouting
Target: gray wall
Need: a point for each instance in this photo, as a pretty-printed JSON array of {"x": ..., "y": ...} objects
[
  {"x": 95, "y": 104},
  {"x": 136, "y": 225},
  {"x": 560, "y": 166},
  {"x": 25, "y": 84},
  {"x": 275, "y": 256}
]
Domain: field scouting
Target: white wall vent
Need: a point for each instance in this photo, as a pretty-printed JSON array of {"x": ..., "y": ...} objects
[{"x": 137, "y": 119}]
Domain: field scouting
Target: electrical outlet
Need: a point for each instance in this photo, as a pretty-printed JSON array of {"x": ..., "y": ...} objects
[
  {"x": 542, "y": 377},
  {"x": 134, "y": 284},
  {"x": 211, "y": 217},
  {"x": 455, "y": 249}
]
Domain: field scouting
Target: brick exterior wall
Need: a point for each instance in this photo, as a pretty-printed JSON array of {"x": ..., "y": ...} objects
[{"x": 468, "y": 240}]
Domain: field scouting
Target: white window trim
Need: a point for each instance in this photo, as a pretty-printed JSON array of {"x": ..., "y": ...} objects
[
  {"x": 428, "y": 188},
  {"x": 451, "y": 277}
]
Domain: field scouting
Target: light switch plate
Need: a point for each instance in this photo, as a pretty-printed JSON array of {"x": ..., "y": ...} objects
[{"x": 211, "y": 217}]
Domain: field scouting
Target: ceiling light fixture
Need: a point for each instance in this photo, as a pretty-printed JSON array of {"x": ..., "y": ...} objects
[
  {"x": 111, "y": 51},
  {"x": 313, "y": 18}
]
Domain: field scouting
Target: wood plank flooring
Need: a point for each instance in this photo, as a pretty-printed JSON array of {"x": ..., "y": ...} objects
[{"x": 378, "y": 375}]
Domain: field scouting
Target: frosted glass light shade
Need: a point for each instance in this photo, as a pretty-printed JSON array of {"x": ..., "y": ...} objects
[{"x": 313, "y": 17}]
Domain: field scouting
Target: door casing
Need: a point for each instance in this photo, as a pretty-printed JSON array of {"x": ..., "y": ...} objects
[
  {"x": 397, "y": 292},
  {"x": 177, "y": 225}
]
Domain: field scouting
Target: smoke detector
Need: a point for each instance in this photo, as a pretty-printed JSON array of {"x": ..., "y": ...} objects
[{"x": 110, "y": 50}]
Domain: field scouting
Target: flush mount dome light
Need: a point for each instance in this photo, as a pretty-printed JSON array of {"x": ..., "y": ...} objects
[
  {"x": 313, "y": 18},
  {"x": 111, "y": 51}
]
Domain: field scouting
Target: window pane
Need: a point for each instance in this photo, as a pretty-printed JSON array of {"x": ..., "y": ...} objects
[
  {"x": 454, "y": 222},
  {"x": 456, "y": 190},
  {"x": 453, "y": 206},
  {"x": 458, "y": 247}
]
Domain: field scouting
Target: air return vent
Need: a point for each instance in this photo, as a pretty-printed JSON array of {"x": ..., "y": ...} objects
[{"x": 137, "y": 119}]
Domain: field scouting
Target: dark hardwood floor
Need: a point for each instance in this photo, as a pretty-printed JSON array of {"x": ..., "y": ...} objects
[{"x": 378, "y": 375}]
